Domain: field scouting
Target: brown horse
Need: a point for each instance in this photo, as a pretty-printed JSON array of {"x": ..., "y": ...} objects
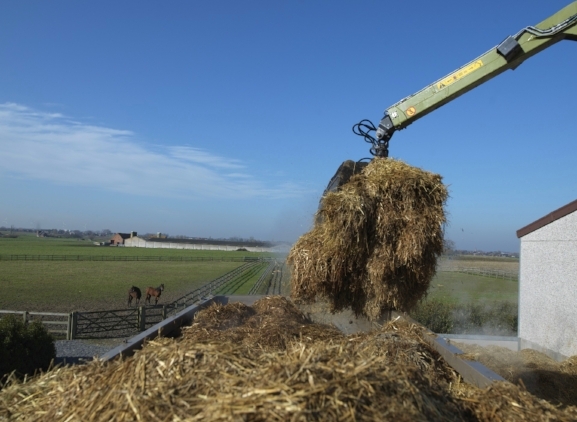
[
  {"x": 134, "y": 293},
  {"x": 151, "y": 291}
]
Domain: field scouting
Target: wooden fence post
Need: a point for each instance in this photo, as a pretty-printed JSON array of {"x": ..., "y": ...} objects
[
  {"x": 163, "y": 312},
  {"x": 25, "y": 317},
  {"x": 74, "y": 325},
  {"x": 69, "y": 327},
  {"x": 141, "y": 318}
]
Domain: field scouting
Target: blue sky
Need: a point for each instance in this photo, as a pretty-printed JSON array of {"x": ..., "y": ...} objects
[{"x": 227, "y": 118}]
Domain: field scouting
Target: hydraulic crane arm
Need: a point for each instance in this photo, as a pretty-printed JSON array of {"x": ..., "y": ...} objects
[{"x": 507, "y": 55}]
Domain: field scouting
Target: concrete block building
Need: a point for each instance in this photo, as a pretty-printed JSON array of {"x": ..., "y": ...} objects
[{"x": 548, "y": 284}]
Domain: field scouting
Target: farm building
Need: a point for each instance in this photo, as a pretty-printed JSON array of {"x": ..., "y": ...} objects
[
  {"x": 203, "y": 244},
  {"x": 548, "y": 284},
  {"x": 120, "y": 238}
]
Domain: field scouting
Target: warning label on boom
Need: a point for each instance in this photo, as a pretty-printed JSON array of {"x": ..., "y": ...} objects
[{"x": 454, "y": 77}]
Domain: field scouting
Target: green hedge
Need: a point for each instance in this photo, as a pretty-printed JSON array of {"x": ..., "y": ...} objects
[
  {"x": 24, "y": 348},
  {"x": 437, "y": 316},
  {"x": 500, "y": 318}
]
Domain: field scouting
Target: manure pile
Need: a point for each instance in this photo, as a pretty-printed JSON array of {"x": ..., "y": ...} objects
[
  {"x": 268, "y": 362},
  {"x": 375, "y": 242},
  {"x": 538, "y": 373}
]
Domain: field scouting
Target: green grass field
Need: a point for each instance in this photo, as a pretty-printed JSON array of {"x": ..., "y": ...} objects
[
  {"x": 469, "y": 304},
  {"x": 461, "y": 288},
  {"x": 65, "y": 286},
  {"x": 68, "y": 286},
  {"x": 482, "y": 262},
  {"x": 245, "y": 283}
]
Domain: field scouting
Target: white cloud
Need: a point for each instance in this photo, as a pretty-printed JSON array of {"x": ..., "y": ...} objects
[
  {"x": 52, "y": 147},
  {"x": 198, "y": 156}
]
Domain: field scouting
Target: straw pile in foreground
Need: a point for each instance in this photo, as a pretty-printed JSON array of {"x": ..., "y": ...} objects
[
  {"x": 376, "y": 243},
  {"x": 210, "y": 373}
]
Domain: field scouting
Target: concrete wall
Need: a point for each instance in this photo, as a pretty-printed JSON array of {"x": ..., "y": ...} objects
[
  {"x": 511, "y": 343},
  {"x": 137, "y": 242},
  {"x": 548, "y": 289}
]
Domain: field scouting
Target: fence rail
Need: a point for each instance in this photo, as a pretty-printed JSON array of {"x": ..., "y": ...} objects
[
  {"x": 276, "y": 281},
  {"x": 232, "y": 287},
  {"x": 129, "y": 258},
  {"x": 212, "y": 287},
  {"x": 99, "y": 323},
  {"x": 264, "y": 276},
  {"x": 505, "y": 275},
  {"x": 58, "y": 323}
]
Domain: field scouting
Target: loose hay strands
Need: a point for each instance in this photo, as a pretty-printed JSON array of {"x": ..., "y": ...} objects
[
  {"x": 389, "y": 374},
  {"x": 534, "y": 371},
  {"x": 376, "y": 243},
  {"x": 271, "y": 323}
]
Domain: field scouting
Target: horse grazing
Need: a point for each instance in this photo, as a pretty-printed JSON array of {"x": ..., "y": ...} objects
[
  {"x": 151, "y": 291},
  {"x": 134, "y": 293}
]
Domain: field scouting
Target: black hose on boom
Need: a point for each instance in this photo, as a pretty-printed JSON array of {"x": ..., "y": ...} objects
[{"x": 380, "y": 147}]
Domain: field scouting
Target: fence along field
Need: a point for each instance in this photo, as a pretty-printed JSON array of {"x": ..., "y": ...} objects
[{"x": 471, "y": 279}]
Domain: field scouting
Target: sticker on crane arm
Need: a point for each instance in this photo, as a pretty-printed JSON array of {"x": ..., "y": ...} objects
[
  {"x": 461, "y": 73},
  {"x": 411, "y": 111}
]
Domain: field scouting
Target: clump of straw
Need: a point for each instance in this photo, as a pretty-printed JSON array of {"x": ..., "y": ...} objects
[{"x": 375, "y": 242}]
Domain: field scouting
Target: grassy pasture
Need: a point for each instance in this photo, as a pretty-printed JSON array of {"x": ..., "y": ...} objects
[
  {"x": 482, "y": 262},
  {"x": 471, "y": 304},
  {"x": 64, "y": 286},
  {"x": 458, "y": 288},
  {"x": 245, "y": 283},
  {"x": 461, "y": 288}
]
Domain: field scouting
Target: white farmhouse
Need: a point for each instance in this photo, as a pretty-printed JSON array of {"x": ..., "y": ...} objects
[{"x": 548, "y": 284}]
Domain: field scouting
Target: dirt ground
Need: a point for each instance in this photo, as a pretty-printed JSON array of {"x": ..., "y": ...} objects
[{"x": 539, "y": 374}]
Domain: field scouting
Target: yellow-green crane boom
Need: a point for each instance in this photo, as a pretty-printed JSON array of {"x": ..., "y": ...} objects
[{"x": 513, "y": 51}]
